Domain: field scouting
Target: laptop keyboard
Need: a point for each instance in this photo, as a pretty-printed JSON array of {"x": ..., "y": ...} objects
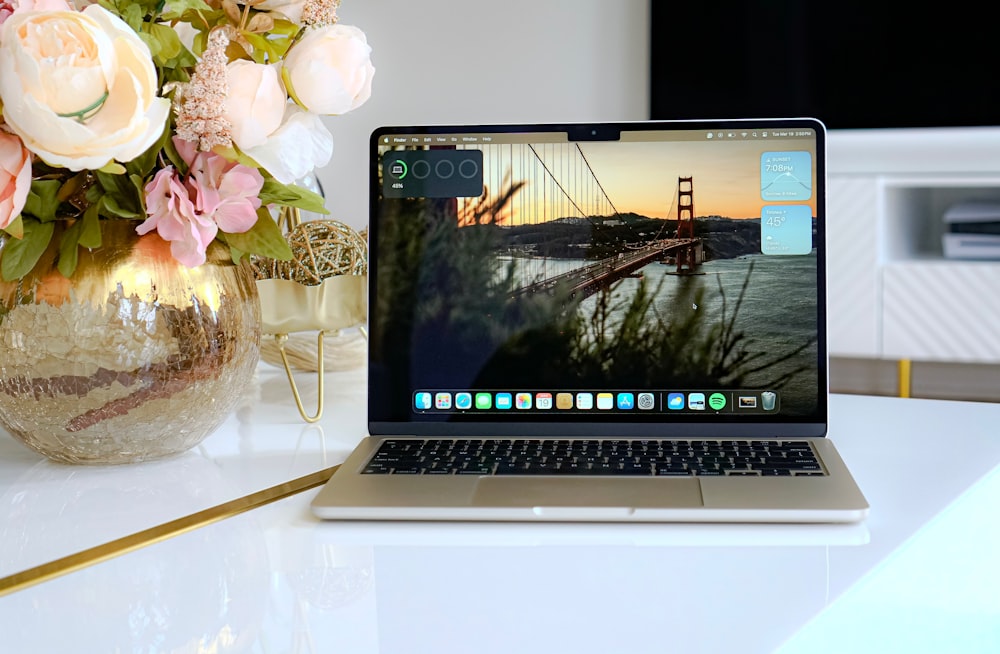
[{"x": 654, "y": 458}]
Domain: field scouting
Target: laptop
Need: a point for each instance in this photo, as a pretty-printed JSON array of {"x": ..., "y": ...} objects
[{"x": 597, "y": 322}]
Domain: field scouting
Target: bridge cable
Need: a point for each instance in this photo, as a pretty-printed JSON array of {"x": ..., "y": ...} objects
[
  {"x": 558, "y": 185},
  {"x": 611, "y": 202},
  {"x": 599, "y": 185}
]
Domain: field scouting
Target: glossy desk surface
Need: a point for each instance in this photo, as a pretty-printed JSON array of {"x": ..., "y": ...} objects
[{"x": 920, "y": 575}]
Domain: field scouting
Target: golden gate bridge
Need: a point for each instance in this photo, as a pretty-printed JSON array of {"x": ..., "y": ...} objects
[{"x": 558, "y": 184}]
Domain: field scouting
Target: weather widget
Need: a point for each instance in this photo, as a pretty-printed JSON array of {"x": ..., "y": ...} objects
[{"x": 786, "y": 229}]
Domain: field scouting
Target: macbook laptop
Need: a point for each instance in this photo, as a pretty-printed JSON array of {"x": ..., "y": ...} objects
[{"x": 597, "y": 322}]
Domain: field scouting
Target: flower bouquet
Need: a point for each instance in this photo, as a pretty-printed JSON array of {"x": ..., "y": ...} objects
[
  {"x": 139, "y": 138},
  {"x": 191, "y": 116}
]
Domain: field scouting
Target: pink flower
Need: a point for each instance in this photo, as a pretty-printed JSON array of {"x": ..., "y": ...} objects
[
  {"x": 217, "y": 194},
  {"x": 15, "y": 177},
  {"x": 226, "y": 191},
  {"x": 173, "y": 215}
]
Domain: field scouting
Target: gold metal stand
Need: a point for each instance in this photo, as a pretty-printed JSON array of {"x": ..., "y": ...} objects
[
  {"x": 321, "y": 288},
  {"x": 281, "y": 339}
]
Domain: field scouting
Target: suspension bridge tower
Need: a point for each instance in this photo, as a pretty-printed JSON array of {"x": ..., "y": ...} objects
[{"x": 689, "y": 257}]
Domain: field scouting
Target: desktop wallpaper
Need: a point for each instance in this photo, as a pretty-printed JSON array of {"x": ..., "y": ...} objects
[{"x": 662, "y": 276}]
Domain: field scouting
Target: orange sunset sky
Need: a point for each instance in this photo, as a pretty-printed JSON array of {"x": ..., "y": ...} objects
[{"x": 637, "y": 177}]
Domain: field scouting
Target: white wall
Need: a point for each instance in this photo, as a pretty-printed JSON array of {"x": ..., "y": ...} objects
[{"x": 467, "y": 61}]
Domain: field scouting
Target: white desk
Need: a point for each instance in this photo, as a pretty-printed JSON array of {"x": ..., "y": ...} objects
[{"x": 919, "y": 575}]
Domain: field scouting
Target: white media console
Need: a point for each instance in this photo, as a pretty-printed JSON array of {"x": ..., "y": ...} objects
[{"x": 893, "y": 294}]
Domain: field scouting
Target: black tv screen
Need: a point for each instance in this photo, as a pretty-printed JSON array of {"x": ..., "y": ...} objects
[{"x": 850, "y": 64}]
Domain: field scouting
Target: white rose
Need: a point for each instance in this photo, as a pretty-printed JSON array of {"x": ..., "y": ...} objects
[
  {"x": 256, "y": 102},
  {"x": 283, "y": 139},
  {"x": 330, "y": 70},
  {"x": 79, "y": 88},
  {"x": 295, "y": 149},
  {"x": 290, "y": 9}
]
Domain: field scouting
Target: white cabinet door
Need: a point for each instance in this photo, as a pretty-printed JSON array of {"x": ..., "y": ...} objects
[
  {"x": 852, "y": 234},
  {"x": 941, "y": 311}
]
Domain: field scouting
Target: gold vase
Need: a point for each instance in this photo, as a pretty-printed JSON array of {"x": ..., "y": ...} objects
[{"x": 135, "y": 357}]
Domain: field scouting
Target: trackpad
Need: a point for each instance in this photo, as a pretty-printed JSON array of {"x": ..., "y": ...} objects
[{"x": 587, "y": 491}]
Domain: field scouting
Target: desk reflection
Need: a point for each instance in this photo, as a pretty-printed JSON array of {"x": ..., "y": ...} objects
[
  {"x": 278, "y": 579},
  {"x": 461, "y": 587},
  {"x": 203, "y": 591}
]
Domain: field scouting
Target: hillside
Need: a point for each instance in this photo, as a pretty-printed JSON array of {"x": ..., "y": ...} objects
[{"x": 574, "y": 238}]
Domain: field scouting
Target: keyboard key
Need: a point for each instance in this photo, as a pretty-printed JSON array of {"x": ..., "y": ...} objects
[{"x": 595, "y": 457}]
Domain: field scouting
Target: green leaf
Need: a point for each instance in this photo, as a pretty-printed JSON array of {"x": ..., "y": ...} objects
[
  {"x": 69, "y": 250},
  {"x": 264, "y": 239},
  {"x": 19, "y": 256},
  {"x": 236, "y": 254},
  {"x": 143, "y": 164},
  {"x": 42, "y": 201},
  {"x": 261, "y": 46},
  {"x": 111, "y": 182},
  {"x": 16, "y": 227},
  {"x": 274, "y": 192},
  {"x": 140, "y": 185},
  {"x": 132, "y": 15},
  {"x": 168, "y": 42},
  {"x": 206, "y": 19},
  {"x": 152, "y": 43},
  {"x": 112, "y": 168},
  {"x": 71, "y": 186},
  {"x": 174, "y": 157},
  {"x": 178, "y": 7},
  {"x": 199, "y": 43},
  {"x": 85, "y": 233},
  {"x": 273, "y": 43},
  {"x": 110, "y": 206},
  {"x": 122, "y": 199},
  {"x": 90, "y": 230},
  {"x": 285, "y": 27}
]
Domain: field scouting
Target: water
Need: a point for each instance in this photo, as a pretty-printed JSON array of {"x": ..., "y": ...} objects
[{"x": 778, "y": 312}]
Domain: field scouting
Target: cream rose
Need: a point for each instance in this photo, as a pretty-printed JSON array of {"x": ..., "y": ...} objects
[
  {"x": 290, "y": 9},
  {"x": 295, "y": 149},
  {"x": 79, "y": 87},
  {"x": 286, "y": 141},
  {"x": 256, "y": 102},
  {"x": 330, "y": 70},
  {"x": 15, "y": 178}
]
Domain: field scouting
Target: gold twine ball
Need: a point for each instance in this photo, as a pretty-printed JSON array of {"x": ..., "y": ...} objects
[{"x": 320, "y": 249}]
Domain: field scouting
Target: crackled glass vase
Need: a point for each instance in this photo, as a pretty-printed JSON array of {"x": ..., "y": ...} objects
[{"x": 134, "y": 357}]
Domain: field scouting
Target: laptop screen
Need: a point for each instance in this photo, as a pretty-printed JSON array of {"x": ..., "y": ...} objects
[{"x": 651, "y": 278}]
